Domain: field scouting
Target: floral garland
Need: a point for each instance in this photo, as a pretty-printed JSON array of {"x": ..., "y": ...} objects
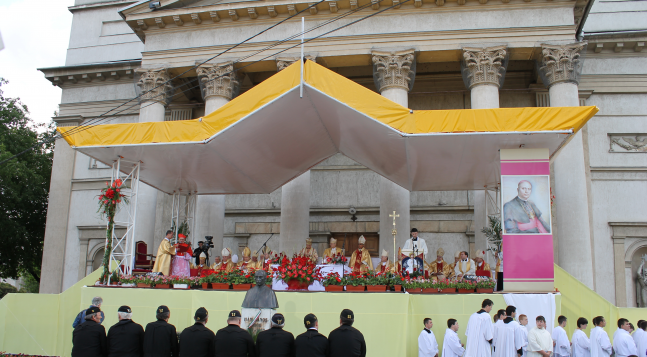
[
  {"x": 111, "y": 196},
  {"x": 337, "y": 259}
]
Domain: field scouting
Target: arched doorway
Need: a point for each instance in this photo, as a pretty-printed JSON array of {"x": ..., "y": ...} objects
[{"x": 97, "y": 260}]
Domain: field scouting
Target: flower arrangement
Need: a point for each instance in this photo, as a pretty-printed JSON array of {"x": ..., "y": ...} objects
[
  {"x": 372, "y": 278},
  {"x": 162, "y": 280},
  {"x": 338, "y": 259},
  {"x": 444, "y": 284},
  {"x": 128, "y": 279},
  {"x": 220, "y": 277},
  {"x": 109, "y": 199},
  {"x": 417, "y": 283},
  {"x": 184, "y": 280},
  {"x": 240, "y": 277},
  {"x": 299, "y": 267},
  {"x": 354, "y": 279},
  {"x": 331, "y": 279},
  {"x": 466, "y": 284},
  {"x": 485, "y": 283}
]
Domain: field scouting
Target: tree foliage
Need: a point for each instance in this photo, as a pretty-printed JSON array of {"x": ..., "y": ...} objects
[{"x": 24, "y": 188}]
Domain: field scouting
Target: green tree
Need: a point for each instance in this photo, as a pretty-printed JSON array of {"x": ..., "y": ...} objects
[{"x": 24, "y": 188}]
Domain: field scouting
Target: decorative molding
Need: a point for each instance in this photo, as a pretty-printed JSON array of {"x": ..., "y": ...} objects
[
  {"x": 271, "y": 11},
  {"x": 214, "y": 16},
  {"x": 196, "y": 18},
  {"x": 392, "y": 69},
  {"x": 68, "y": 120},
  {"x": 313, "y": 10},
  {"x": 160, "y": 22},
  {"x": 251, "y": 11},
  {"x": 283, "y": 62},
  {"x": 561, "y": 63},
  {"x": 484, "y": 65},
  {"x": 333, "y": 6},
  {"x": 292, "y": 9},
  {"x": 218, "y": 80},
  {"x": 233, "y": 14},
  {"x": 619, "y": 173},
  {"x": 89, "y": 73},
  {"x": 154, "y": 84},
  {"x": 628, "y": 143},
  {"x": 178, "y": 21}
]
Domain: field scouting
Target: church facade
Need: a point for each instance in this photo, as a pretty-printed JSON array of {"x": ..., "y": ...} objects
[{"x": 422, "y": 54}]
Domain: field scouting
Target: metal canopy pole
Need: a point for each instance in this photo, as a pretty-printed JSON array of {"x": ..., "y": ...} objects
[{"x": 122, "y": 253}]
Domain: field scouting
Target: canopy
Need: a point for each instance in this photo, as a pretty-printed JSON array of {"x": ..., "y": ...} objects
[{"x": 269, "y": 135}]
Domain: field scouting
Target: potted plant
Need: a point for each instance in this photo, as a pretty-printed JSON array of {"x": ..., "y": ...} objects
[
  {"x": 376, "y": 281},
  {"x": 220, "y": 280},
  {"x": 241, "y": 280},
  {"x": 446, "y": 286},
  {"x": 413, "y": 286},
  {"x": 354, "y": 282},
  {"x": 298, "y": 272},
  {"x": 183, "y": 282},
  {"x": 128, "y": 281},
  {"x": 485, "y": 285},
  {"x": 162, "y": 282},
  {"x": 465, "y": 286},
  {"x": 333, "y": 282},
  {"x": 396, "y": 281},
  {"x": 431, "y": 287}
]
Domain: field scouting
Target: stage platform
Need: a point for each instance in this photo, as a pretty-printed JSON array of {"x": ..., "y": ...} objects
[{"x": 42, "y": 324}]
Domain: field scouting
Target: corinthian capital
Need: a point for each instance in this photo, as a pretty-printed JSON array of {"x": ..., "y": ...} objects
[
  {"x": 218, "y": 80},
  {"x": 283, "y": 62},
  {"x": 484, "y": 65},
  {"x": 561, "y": 63},
  {"x": 392, "y": 69},
  {"x": 155, "y": 85}
]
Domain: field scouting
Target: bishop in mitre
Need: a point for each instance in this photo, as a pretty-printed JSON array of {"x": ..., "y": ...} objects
[
  {"x": 385, "y": 265},
  {"x": 482, "y": 268},
  {"x": 360, "y": 261},
  {"x": 227, "y": 265},
  {"x": 165, "y": 254},
  {"x": 246, "y": 264},
  {"x": 308, "y": 251},
  {"x": 439, "y": 269},
  {"x": 332, "y": 251}
]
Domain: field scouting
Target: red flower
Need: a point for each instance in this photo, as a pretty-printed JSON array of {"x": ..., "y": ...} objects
[
  {"x": 118, "y": 182},
  {"x": 247, "y": 276}
]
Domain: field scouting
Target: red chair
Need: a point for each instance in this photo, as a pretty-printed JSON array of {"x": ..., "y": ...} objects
[{"x": 143, "y": 261}]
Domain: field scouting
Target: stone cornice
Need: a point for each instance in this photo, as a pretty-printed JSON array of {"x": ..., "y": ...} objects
[
  {"x": 70, "y": 75},
  {"x": 119, "y": 3},
  {"x": 142, "y": 20}
]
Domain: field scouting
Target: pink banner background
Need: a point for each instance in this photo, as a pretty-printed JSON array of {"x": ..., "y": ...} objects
[
  {"x": 528, "y": 256},
  {"x": 525, "y": 168}
]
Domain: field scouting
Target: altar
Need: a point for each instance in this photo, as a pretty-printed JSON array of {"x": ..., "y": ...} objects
[{"x": 324, "y": 269}]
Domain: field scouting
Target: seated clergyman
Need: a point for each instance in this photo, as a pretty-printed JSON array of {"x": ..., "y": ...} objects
[
  {"x": 439, "y": 268},
  {"x": 308, "y": 251},
  {"x": 464, "y": 266},
  {"x": 385, "y": 265}
]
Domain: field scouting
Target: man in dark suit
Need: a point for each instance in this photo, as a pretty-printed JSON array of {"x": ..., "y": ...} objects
[
  {"x": 198, "y": 340},
  {"x": 311, "y": 343},
  {"x": 345, "y": 340},
  {"x": 125, "y": 338},
  {"x": 89, "y": 338},
  {"x": 521, "y": 215},
  {"x": 160, "y": 338},
  {"x": 233, "y": 341},
  {"x": 275, "y": 342}
]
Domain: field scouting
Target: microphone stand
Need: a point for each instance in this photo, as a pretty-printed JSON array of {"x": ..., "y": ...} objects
[
  {"x": 264, "y": 244},
  {"x": 343, "y": 253}
]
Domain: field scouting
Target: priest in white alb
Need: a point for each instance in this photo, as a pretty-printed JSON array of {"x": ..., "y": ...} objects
[
  {"x": 479, "y": 332},
  {"x": 509, "y": 339},
  {"x": 562, "y": 346},
  {"x": 600, "y": 344},
  {"x": 523, "y": 322},
  {"x": 427, "y": 344},
  {"x": 452, "y": 346},
  {"x": 640, "y": 337},
  {"x": 498, "y": 324},
  {"x": 540, "y": 342},
  {"x": 580, "y": 342},
  {"x": 623, "y": 343}
]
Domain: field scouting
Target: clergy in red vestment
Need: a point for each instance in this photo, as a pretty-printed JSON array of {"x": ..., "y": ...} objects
[
  {"x": 180, "y": 265},
  {"x": 385, "y": 265}
]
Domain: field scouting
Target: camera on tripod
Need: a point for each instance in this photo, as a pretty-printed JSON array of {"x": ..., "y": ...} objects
[{"x": 209, "y": 242}]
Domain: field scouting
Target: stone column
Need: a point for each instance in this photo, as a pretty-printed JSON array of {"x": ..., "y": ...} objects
[
  {"x": 295, "y": 199},
  {"x": 219, "y": 85},
  {"x": 393, "y": 77},
  {"x": 483, "y": 71},
  {"x": 156, "y": 92},
  {"x": 560, "y": 69}
]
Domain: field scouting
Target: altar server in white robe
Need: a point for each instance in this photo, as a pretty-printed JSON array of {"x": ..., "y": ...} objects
[
  {"x": 623, "y": 343},
  {"x": 562, "y": 346},
  {"x": 498, "y": 324},
  {"x": 640, "y": 338},
  {"x": 509, "y": 339},
  {"x": 479, "y": 332},
  {"x": 540, "y": 342},
  {"x": 580, "y": 342},
  {"x": 523, "y": 322},
  {"x": 600, "y": 344},
  {"x": 452, "y": 346},
  {"x": 427, "y": 344}
]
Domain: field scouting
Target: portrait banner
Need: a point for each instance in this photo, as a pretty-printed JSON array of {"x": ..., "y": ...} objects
[{"x": 526, "y": 221}]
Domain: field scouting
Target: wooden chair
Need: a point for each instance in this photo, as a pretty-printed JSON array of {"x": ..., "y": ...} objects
[{"x": 143, "y": 261}]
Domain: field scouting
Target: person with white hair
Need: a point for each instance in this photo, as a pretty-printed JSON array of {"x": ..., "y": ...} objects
[
  {"x": 332, "y": 251},
  {"x": 227, "y": 264},
  {"x": 275, "y": 342},
  {"x": 385, "y": 265},
  {"x": 80, "y": 318},
  {"x": 125, "y": 338},
  {"x": 360, "y": 261},
  {"x": 89, "y": 338},
  {"x": 216, "y": 263}
]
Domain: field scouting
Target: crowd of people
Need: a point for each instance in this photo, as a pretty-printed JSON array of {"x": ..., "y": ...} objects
[
  {"x": 508, "y": 336},
  {"x": 160, "y": 339},
  {"x": 178, "y": 259}
]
